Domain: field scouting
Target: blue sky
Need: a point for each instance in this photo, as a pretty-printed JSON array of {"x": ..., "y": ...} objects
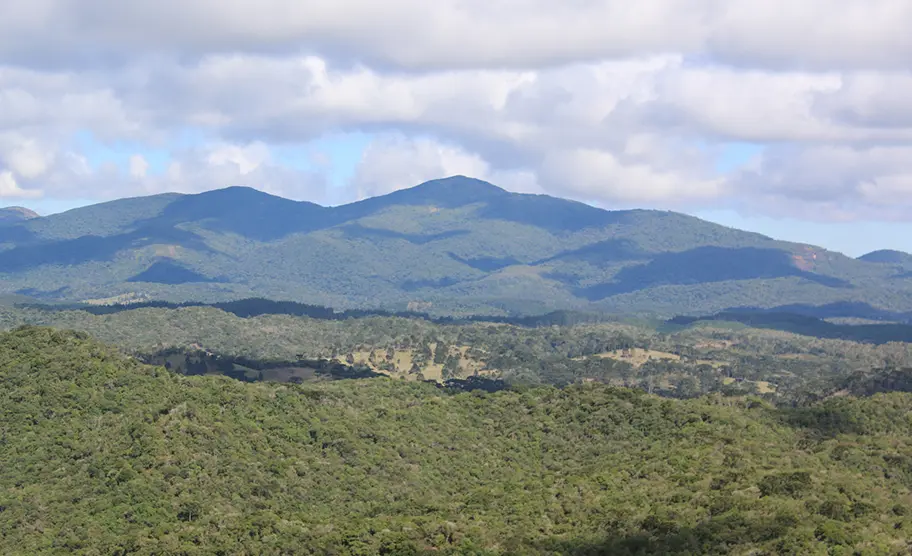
[{"x": 338, "y": 155}]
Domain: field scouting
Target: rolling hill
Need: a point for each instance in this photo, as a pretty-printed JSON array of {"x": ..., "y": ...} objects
[
  {"x": 103, "y": 455},
  {"x": 450, "y": 246},
  {"x": 15, "y": 215},
  {"x": 901, "y": 261}
]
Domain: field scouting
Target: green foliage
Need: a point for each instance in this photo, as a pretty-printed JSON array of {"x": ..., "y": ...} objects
[
  {"x": 103, "y": 455},
  {"x": 455, "y": 246},
  {"x": 681, "y": 362}
]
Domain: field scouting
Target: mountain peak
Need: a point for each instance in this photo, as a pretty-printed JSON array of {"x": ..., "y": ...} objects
[
  {"x": 450, "y": 192},
  {"x": 454, "y": 191},
  {"x": 890, "y": 256},
  {"x": 460, "y": 183},
  {"x": 12, "y": 215}
]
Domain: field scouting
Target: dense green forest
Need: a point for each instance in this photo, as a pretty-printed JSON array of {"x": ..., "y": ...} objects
[
  {"x": 103, "y": 455},
  {"x": 455, "y": 246},
  {"x": 674, "y": 361}
]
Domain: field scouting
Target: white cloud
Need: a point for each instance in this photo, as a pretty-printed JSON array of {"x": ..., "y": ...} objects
[
  {"x": 601, "y": 175},
  {"x": 596, "y": 99},
  {"x": 138, "y": 166},
  {"x": 422, "y": 35},
  {"x": 833, "y": 182},
  {"x": 246, "y": 158},
  {"x": 9, "y": 189},
  {"x": 25, "y": 157},
  {"x": 394, "y": 162},
  {"x": 225, "y": 165},
  {"x": 71, "y": 176},
  {"x": 870, "y": 99}
]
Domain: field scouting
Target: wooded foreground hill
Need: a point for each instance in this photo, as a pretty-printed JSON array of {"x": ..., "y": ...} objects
[
  {"x": 103, "y": 455},
  {"x": 450, "y": 246}
]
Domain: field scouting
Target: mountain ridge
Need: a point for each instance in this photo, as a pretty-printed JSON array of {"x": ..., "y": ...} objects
[{"x": 458, "y": 245}]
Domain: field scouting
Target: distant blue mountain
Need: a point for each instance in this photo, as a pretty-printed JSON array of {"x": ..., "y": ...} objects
[
  {"x": 15, "y": 215},
  {"x": 454, "y": 246},
  {"x": 887, "y": 256}
]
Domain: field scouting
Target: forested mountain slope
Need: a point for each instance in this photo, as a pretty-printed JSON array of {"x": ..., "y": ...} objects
[
  {"x": 451, "y": 246},
  {"x": 104, "y": 455}
]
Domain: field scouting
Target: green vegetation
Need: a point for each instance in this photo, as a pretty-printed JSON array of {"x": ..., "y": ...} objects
[
  {"x": 451, "y": 247},
  {"x": 673, "y": 361},
  {"x": 103, "y": 455},
  {"x": 432, "y": 414}
]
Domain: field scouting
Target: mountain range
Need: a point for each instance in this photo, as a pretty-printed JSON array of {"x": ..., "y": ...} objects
[{"x": 451, "y": 246}]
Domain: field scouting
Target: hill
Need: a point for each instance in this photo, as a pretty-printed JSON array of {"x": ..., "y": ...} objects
[
  {"x": 14, "y": 215},
  {"x": 450, "y": 246},
  {"x": 888, "y": 256},
  {"x": 683, "y": 360},
  {"x": 104, "y": 455}
]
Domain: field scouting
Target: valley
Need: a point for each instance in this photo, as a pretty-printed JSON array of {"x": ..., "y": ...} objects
[{"x": 671, "y": 360}]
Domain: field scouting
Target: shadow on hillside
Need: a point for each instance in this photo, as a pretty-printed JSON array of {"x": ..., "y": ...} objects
[
  {"x": 301, "y": 370},
  {"x": 357, "y": 231},
  {"x": 706, "y": 265},
  {"x": 808, "y": 326},
  {"x": 16, "y": 233},
  {"x": 415, "y": 285},
  {"x": 718, "y": 535},
  {"x": 166, "y": 272},
  {"x": 199, "y": 362},
  {"x": 841, "y": 309},
  {"x": 94, "y": 248},
  {"x": 486, "y": 264},
  {"x": 608, "y": 251},
  {"x": 253, "y": 307},
  {"x": 821, "y": 421}
]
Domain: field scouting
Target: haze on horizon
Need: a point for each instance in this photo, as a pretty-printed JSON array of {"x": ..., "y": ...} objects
[{"x": 731, "y": 111}]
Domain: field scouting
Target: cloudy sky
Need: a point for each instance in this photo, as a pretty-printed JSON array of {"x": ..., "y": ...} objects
[{"x": 789, "y": 117}]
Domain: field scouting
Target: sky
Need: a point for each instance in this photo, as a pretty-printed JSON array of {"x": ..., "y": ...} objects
[{"x": 791, "y": 118}]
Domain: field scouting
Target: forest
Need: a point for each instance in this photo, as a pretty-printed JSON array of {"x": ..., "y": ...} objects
[
  {"x": 454, "y": 246},
  {"x": 247, "y": 342},
  {"x": 105, "y": 455}
]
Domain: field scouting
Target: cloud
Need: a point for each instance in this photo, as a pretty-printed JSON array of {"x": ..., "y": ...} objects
[
  {"x": 394, "y": 162},
  {"x": 225, "y": 165},
  {"x": 832, "y": 182},
  {"x": 246, "y": 158},
  {"x": 869, "y": 100},
  {"x": 192, "y": 170},
  {"x": 603, "y": 176},
  {"x": 23, "y": 156},
  {"x": 447, "y": 34},
  {"x": 592, "y": 99},
  {"x": 138, "y": 166},
  {"x": 9, "y": 189}
]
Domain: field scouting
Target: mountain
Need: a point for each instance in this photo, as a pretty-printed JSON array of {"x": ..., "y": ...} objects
[
  {"x": 14, "y": 215},
  {"x": 888, "y": 256},
  {"x": 450, "y": 246}
]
